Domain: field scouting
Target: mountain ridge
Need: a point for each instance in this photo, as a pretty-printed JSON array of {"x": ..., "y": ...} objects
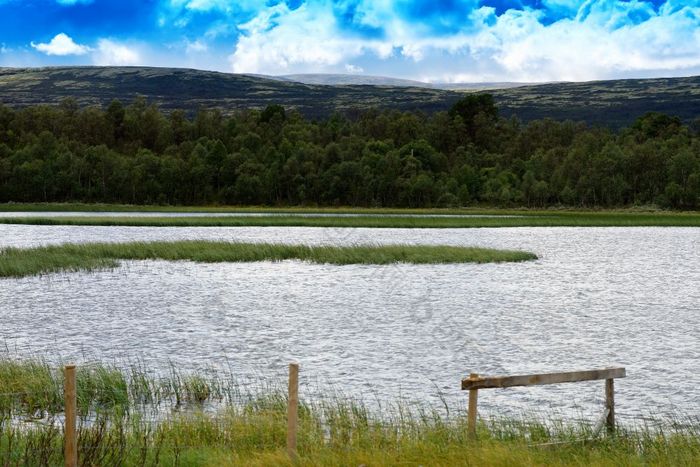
[
  {"x": 340, "y": 79},
  {"x": 612, "y": 103}
]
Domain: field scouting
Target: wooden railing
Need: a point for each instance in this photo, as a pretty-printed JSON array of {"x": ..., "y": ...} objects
[
  {"x": 472, "y": 384},
  {"x": 476, "y": 382}
]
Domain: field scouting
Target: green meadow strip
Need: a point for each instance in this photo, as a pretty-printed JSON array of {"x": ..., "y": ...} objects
[
  {"x": 17, "y": 262},
  {"x": 608, "y": 219}
]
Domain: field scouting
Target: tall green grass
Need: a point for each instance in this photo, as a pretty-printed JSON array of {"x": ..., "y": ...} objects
[
  {"x": 15, "y": 262},
  {"x": 249, "y": 428}
]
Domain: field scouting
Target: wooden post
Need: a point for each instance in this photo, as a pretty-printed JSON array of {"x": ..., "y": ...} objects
[
  {"x": 292, "y": 410},
  {"x": 610, "y": 404},
  {"x": 471, "y": 414},
  {"x": 70, "y": 436}
]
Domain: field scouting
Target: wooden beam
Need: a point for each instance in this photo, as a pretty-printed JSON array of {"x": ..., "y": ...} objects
[{"x": 541, "y": 379}]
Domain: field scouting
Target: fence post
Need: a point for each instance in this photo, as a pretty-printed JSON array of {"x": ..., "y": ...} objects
[
  {"x": 70, "y": 437},
  {"x": 292, "y": 410},
  {"x": 471, "y": 414},
  {"x": 610, "y": 404}
]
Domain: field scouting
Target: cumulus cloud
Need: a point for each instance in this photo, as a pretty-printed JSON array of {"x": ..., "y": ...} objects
[
  {"x": 561, "y": 40},
  {"x": 61, "y": 44},
  {"x": 451, "y": 40},
  {"x": 598, "y": 43},
  {"x": 185, "y": 13},
  {"x": 279, "y": 38},
  {"x": 109, "y": 52},
  {"x": 73, "y": 2},
  {"x": 197, "y": 46}
]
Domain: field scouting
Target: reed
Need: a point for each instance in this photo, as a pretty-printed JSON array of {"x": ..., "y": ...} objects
[
  {"x": 250, "y": 429},
  {"x": 15, "y": 262}
]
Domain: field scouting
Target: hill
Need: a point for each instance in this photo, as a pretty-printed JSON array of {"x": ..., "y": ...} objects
[
  {"x": 192, "y": 89},
  {"x": 352, "y": 80},
  {"x": 611, "y": 103},
  {"x": 348, "y": 79}
]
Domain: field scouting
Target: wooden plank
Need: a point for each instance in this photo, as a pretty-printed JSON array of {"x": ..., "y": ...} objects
[
  {"x": 610, "y": 404},
  {"x": 292, "y": 410},
  {"x": 471, "y": 414},
  {"x": 541, "y": 379},
  {"x": 69, "y": 435}
]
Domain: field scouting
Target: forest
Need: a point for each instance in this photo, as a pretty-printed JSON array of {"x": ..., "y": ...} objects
[{"x": 466, "y": 155}]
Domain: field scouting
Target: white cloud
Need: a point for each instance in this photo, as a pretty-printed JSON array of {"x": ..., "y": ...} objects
[
  {"x": 591, "y": 40},
  {"x": 110, "y": 52},
  {"x": 198, "y": 46},
  {"x": 61, "y": 44},
  {"x": 207, "y": 5},
  {"x": 226, "y": 6},
  {"x": 590, "y": 47},
  {"x": 73, "y": 2},
  {"x": 350, "y": 68},
  {"x": 307, "y": 37}
]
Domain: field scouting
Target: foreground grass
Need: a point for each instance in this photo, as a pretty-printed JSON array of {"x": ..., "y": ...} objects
[
  {"x": 126, "y": 420},
  {"x": 16, "y": 262}
]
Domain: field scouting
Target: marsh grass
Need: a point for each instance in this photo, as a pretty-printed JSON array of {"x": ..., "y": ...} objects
[
  {"x": 251, "y": 430},
  {"x": 530, "y": 220},
  {"x": 362, "y": 217},
  {"x": 16, "y": 262}
]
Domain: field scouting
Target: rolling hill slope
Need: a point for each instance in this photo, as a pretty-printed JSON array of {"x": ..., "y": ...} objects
[
  {"x": 347, "y": 79},
  {"x": 193, "y": 89},
  {"x": 611, "y": 103}
]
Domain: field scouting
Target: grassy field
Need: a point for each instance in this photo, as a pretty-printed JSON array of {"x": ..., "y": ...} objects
[
  {"x": 133, "y": 418},
  {"x": 387, "y": 218},
  {"x": 16, "y": 262}
]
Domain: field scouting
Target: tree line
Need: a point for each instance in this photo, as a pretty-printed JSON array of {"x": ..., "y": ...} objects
[{"x": 466, "y": 155}]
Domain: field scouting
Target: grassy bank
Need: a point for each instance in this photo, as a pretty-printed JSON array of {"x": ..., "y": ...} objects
[
  {"x": 361, "y": 217},
  {"x": 530, "y": 220},
  {"x": 102, "y": 207},
  {"x": 16, "y": 262},
  {"x": 132, "y": 418}
]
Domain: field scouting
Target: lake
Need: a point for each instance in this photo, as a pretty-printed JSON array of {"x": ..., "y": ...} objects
[{"x": 596, "y": 297}]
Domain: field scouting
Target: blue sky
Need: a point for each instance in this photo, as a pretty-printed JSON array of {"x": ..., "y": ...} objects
[{"x": 450, "y": 41}]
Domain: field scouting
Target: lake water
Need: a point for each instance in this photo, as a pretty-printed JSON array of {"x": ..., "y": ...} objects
[{"x": 596, "y": 297}]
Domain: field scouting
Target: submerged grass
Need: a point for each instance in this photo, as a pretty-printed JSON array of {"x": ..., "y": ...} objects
[
  {"x": 16, "y": 262},
  {"x": 116, "y": 429}
]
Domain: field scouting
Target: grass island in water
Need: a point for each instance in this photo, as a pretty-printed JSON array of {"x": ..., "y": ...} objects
[{"x": 19, "y": 262}]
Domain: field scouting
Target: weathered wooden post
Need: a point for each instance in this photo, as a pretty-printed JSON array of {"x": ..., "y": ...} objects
[
  {"x": 471, "y": 413},
  {"x": 70, "y": 436},
  {"x": 610, "y": 404},
  {"x": 292, "y": 410}
]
